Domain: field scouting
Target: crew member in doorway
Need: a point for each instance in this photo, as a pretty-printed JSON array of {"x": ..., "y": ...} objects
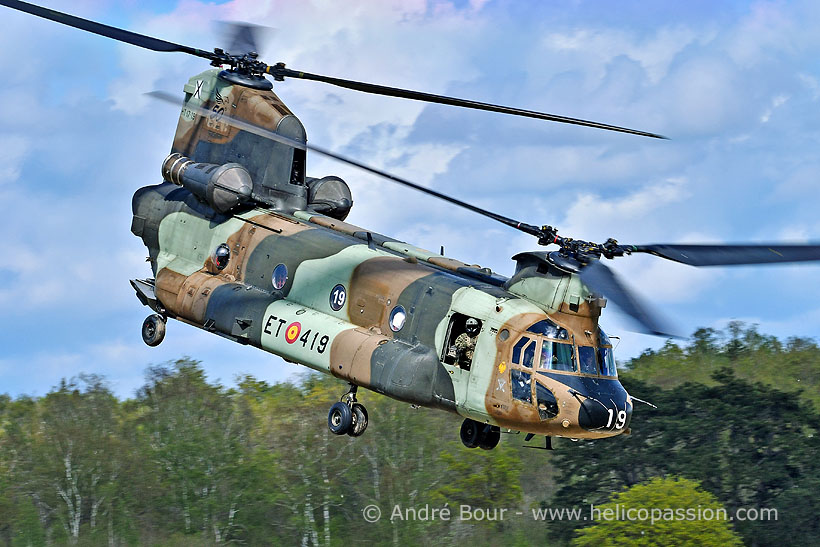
[{"x": 465, "y": 343}]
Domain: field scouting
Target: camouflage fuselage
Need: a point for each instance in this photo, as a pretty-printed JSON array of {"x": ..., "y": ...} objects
[
  {"x": 366, "y": 308},
  {"x": 356, "y": 342}
]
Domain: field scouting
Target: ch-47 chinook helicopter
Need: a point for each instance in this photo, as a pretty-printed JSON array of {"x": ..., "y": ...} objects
[{"x": 244, "y": 245}]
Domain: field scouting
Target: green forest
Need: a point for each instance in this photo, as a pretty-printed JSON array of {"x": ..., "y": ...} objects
[{"x": 188, "y": 461}]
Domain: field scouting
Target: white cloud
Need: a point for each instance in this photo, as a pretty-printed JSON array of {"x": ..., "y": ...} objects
[{"x": 592, "y": 215}]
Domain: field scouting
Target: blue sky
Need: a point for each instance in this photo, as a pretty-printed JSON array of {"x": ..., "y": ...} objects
[{"x": 734, "y": 84}]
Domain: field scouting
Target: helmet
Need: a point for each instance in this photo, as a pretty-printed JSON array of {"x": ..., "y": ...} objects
[{"x": 472, "y": 326}]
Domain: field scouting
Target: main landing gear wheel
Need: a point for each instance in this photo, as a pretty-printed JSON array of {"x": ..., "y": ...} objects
[
  {"x": 470, "y": 431},
  {"x": 153, "y": 330},
  {"x": 340, "y": 418},
  {"x": 489, "y": 439},
  {"x": 475, "y": 434},
  {"x": 347, "y": 416},
  {"x": 359, "y": 420}
]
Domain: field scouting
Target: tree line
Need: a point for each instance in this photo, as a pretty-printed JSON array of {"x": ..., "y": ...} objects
[{"x": 188, "y": 461}]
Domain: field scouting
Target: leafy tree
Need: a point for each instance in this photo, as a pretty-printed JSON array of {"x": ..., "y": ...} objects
[
  {"x": 660, "y": 512},
  {"x": 197, "y": 441},
  {"x": 748, "y": 444}
]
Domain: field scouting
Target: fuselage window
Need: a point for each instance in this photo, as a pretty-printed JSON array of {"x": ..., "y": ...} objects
[
  {"x": 521, "y": 385},
  {"x": 556, "y": 356},
  {"x": 588, "y": 359}
]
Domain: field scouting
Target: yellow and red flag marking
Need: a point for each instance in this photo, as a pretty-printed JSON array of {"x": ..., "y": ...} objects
[{"x": 292, "y": 332}]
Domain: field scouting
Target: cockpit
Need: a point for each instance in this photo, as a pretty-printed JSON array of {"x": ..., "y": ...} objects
[
  {"x": 547, "y": 347},
  {"x": 565, "y": 379}
]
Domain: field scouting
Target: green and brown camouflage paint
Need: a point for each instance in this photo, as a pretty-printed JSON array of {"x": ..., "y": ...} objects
[{"x": 355, "y": 342}]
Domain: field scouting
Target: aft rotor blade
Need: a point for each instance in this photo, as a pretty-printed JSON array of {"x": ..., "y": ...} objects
[
  {"x": 267, "y": 133},
  {"x": 126, "y": 36},
  {"x": 602, "y": 280},
  {"x": 728, "y": 255},
  {"x": 279, "y": 72}
]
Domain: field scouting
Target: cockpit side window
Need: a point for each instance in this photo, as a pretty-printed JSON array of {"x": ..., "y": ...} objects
[
  {"x": 524, "y": 348},
  {"x": 607, "y": 362},
  {"x": 606, "y": 358},
  {"x": 556, "y": 356},
  {"x": 529, "y": 355},
  {"x": 588, "y": 360},
  {"x": 521, "y": 383},
  {"x": 545, "y": 400}
]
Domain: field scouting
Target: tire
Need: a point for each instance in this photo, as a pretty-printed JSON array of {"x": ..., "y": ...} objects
[
  {"x": 489, "y": 440},
  {"x": 153, "y": 330},
  {"x": 359, "y": 420},
  {"x": 340, "y": 419},
  {"x": 470, "y": 433}
]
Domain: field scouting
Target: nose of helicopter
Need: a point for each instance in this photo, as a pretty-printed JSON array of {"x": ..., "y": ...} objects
[{"x": 606, "y": 408}]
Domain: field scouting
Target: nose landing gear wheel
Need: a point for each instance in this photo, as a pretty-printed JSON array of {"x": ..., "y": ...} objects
[
  {"x": 340, "y": 418},
  {"x": 153, "y": 330}
]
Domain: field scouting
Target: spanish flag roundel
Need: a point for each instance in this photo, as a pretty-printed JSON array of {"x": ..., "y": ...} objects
[{"x": 292, "y": 332}]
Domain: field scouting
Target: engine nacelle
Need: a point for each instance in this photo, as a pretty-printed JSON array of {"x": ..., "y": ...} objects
[
  {"x": 223, "y": 187},
  {"x": 329, "y": 196}
]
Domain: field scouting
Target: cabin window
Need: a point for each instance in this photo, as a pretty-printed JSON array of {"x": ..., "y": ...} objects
[
  {"x": 222, "y": 254},
  {"x": 279, "y": 276},
  {"x": 521, "y": 385},
  {"x": 545, "y": 401},
  {"x": 556, "y": 356},
  {"x": 588, "y": 360},
  {"x": 397, "y": 318}
]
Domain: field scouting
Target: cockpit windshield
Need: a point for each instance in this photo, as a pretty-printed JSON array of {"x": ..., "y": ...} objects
[
  {"x": 606, "y": 359},
  {"x": 550, "y": 348},
  {"x": 556, "y": 356}
]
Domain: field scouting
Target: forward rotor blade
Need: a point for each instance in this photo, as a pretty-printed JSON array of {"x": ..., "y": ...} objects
[
  {"x": 279, "y": 71},
  {"x": 126, "y": 36},
  {"x": 728, "y": 255},
  {"x": 263, "y": 132},
  {"x": 240, "y": 38},
  {"x": 601, "y": 279}
]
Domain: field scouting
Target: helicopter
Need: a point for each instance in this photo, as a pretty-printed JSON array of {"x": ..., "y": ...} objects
[{"x": 243, "y": 244}]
